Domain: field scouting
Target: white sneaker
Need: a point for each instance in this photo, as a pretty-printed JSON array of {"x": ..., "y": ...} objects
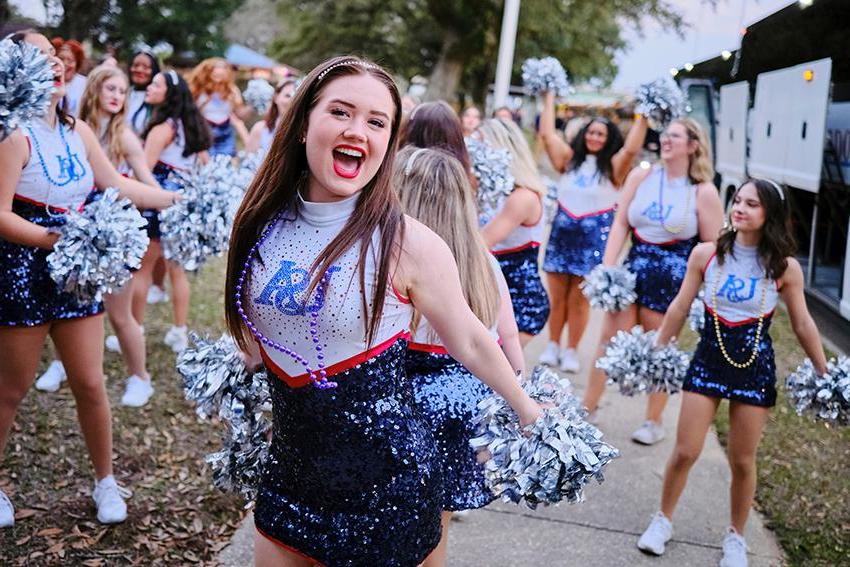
[
  {"x": 734, "y": 550},
  {"x": 656, "y": 536},
  {"x": 52, "y": 377},
  {"x": 138, "y": 392},
  {"x": 112, "y": 344},
  {"x": 649, "y": 433},
  {"x": 7, "y": 511},
  {"x": 569, "y": 361},
  {"x": 156, "y": 294},
  {"x": 460, "y": 515},
  {"x": 109, "y": 499},
  {"x": 177, "y": 338},
  {"x": 550, "y": 355},
  {"x": 592, "y": 417}
]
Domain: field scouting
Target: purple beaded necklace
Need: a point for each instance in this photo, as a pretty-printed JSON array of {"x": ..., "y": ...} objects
[{"x": 319, "y": 377}]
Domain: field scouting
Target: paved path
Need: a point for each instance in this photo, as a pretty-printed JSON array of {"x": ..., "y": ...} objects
[{"x": 601, "y": 531}]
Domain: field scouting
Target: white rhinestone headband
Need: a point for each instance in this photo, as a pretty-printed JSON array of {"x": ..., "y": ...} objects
[{"x": 347, "y": 62}]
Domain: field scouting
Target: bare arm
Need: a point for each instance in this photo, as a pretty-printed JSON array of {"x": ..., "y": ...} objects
[
  {"x": 158, "y": 139},
  {"x": 105, "y": 175},
  {"x": 255, "y": 136},
  {"x": 624, "y": 159},
  {"x": 14, "y": 154},
  {"x": 620, "y": 228},
  {"x": 241, "y": 130},
  {"x": 559, "y": 151},
  {"x": 134, "y": 154},
  {"x": 709, "y": 212},
  {"x": 677, "y": 313},
  {"x": 506, "y": 326},
  {"x": 523, "y": 206},
  {"x": 428, "y": 275},
  {"x": 791, "y": 291}
]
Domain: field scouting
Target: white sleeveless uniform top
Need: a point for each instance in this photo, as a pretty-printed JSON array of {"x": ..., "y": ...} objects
[
  {"x": 671, "y": 202},
  {"x": 214, "y": 108},
  {"x": 266, "y": 139},
  {"x": 425, "y": 336},
  {"x": 276, "y": 304},
  {"x": 68, "y": 168},
  {"x": 585, "y": 191},
  {"x": 74, "y": 93},
  {"x": 172, "y": 155},
  {"x": 522, "y": 236},
  {"x": 740, "y": 288},
  {"x": 135, "y": 101}
]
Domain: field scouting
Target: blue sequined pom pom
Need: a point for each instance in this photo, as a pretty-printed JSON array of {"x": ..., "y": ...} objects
[
  {"x": 611, "y": 288},
  {"x": 825, "y": 398},
  {"x": 636, "y": 365},
  {"x": 549, "y": 461}
]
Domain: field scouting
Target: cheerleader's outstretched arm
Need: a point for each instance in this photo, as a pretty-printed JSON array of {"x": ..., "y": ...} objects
[
  {"x": 506, "y": 327},
  {"x": 677, "y": 313},
  {"x": 14, "y": 154},
  {"x": 428, "y": 275},
  {"x": 625, "y": 158},
  {"x": 522, "y": 206},
  {"x": 134, "y": 154},
  {"x": 559, "y": 151},
  {"x": 620, "y": 228},
  {"x": 791, "y": 291}
]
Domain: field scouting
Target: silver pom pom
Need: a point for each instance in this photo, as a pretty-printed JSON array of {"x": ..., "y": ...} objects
[
  {"x": 99, "y": 247},
  {"x": 26, "y": 84},
  {"x": 696, "y": 316},
  {"x": 661, "y": 101},
  {"x": 216, "y": 380},
  {"x": 198, "y": 226},
  {"x": 249, "y": 164},
  {"x": 611, "y": 288},
  {"x": 238, "y": 467},
  {"x": 259, "y": 94},
  {"x": 162, "y": 50},
  {"x": 492, "y": 168},
  {"x": 549, "y": 461},
  {"x": 636, "y": 365},
  {"x": 827, "y": 397},
  {"x": 546, "y": 74}
]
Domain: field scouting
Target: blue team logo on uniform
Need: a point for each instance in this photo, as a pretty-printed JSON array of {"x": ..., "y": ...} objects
[
  {"x": 71, "y": 168},
  {"x": 735, "y": 290},
  {"x": 654, "y": 212},
  {"x": 286, "y": 289}
]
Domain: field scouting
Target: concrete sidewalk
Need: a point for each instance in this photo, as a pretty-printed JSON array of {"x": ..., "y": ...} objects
[{"x": 603, "y": 530}]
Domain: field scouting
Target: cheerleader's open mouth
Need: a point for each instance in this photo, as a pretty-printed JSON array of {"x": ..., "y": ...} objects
[{"x": 348, "y": 160}]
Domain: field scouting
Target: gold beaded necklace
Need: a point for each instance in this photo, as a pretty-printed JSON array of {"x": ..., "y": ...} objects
[
  {"x": 680, "y": 227},
  {"x": 759, "y": 327}
]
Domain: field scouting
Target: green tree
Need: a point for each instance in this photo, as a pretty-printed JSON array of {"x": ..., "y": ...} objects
[{"x": 456, "y": 43}]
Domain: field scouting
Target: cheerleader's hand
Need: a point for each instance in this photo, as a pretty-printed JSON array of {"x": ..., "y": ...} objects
[{"x": 530, "y": 413}]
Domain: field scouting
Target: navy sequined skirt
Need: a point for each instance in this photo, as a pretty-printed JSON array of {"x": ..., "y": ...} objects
[
  {"x": 223, "y": 138},
  {"x": 711, "y": 374},
  {"x": 28, "y": 295},
  {"x": 447, "y": 395},
  {"x": 576, "y": 244},
  {"x": 352, "y": 477},
  {"x": 528, "y": 296},
  {"x": 161, "y": 173},
  {"x": 660, "y": 270}
]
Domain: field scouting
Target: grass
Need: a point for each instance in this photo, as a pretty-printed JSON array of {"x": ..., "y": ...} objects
[
  {"x": 803, "y": 472},
  {"x": 175, "y": 514}
]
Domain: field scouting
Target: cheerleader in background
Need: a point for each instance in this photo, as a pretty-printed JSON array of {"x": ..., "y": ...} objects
[
  {"x": 175, "y": 137},
  {"x": 50, "y": 166},
  {"x": 262, "y": 132},
  {"x": 74, "y": 58},
  {"x": 668, "y": 209},
  {"x": 743, "y": 277},
  {"x": 471, "y": 120},
  {"x": 220, "y": 103},
  {"x": 593, "y": 168},
  {"x": 435, "y": 125},
  {"x": 143, "y": 68},
  {"x": 323, "y": 259},
  {"x": 514, "y": 230},
  {"x": 434, "y": 189}
]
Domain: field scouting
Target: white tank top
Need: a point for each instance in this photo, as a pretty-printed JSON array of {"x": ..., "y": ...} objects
[
  {"x": 585, "y": 191},
  {"x": 740, "y": 286},
  {"x": 136, "y": 117},
  {"x": 522, "y": 236},
  {"x": 266, "y": 139},
  {"x": 172, "y": 155},
  {"x": 276, "y": 304},
  {"x": 69, "y": 177},
  {"x": 660, "y": 203},
  {"x": 425, "y": 336},
  {"x": 73, "y": 93},
  {"x": 214, "y": 108}
]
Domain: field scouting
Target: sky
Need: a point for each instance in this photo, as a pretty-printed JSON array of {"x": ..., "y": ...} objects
[{"x": 712, "y": 30}]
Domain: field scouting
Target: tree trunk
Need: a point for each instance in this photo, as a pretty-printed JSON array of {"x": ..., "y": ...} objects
[{"x": 445, "y": 78}]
